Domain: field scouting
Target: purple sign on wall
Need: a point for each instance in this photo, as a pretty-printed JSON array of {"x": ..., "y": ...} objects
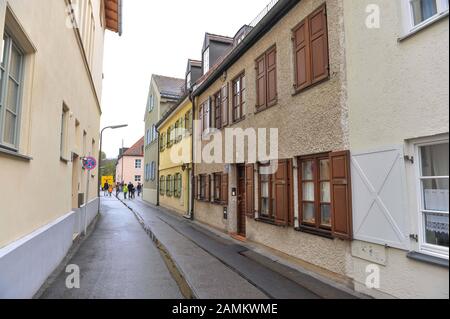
[{"x": 89, "y": 163}]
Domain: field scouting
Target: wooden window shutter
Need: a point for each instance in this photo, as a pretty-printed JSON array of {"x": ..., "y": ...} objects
[
  {"x": 208, "y": 188},
  {"x": 271, "y": 62},
  {"x": 302, "y": 55},
  {"x": 290, "y": 193},
  {"x": 196, "y": 192},
  {"x": 319, "y": 45},
  {"x": 200, "y": 117},
  {"x": 225, "y": 106},
  {"x": 250, "y": 190},
  {"x": 341, "y": 197},
  {"x": 261, "y": 82},
  {"x": 224, "y": 189},
  {"x": 281, "y": 213}
]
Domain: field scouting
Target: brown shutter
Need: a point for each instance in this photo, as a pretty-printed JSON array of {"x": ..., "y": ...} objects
[
  {"x": 281, "y": 193},
  {"x": 291, "y": 193},
  {"x": 261, "y": 82},
  {"x": 208, "y": 188},
  {"x": 302, "y": 56},
  {"x": 250, "y": 191},
  {"x": 341, "y": 197},
  {"x": 224, "y": 189},
  {"x": 319, "y": 45},
  {"x": 200, "y": 117},
  {"x": 225, "y": 106},
  {"x": 271, "y": 62}
]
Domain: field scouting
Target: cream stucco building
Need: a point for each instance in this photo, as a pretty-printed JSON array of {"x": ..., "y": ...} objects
[
  {"x": 397, "y": 82},
  {"x": 50, "y": 110}
]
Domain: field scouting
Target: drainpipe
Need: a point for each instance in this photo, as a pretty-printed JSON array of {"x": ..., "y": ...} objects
[
  {"x": 158, "y": 187},
  {"x": 192, "y": 177}
]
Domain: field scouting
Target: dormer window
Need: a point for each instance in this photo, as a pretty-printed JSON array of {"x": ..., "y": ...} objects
[
  {"x": 189, "y": 80},
  {"x": 206, "y": 61}
]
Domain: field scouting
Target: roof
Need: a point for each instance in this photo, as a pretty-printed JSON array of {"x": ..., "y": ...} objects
[
  {"x": 113, "y": 15},
  {"x": 265, "y": 24},
  {"x": 169, "y": 87},
  {"x": 136, "y": 150},
  {"x": 216, "y": 38},
  {"x": 169, "y": 113}
]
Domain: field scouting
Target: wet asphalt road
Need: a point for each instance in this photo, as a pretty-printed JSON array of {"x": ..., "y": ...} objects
[{"x": 117, "y": 261}]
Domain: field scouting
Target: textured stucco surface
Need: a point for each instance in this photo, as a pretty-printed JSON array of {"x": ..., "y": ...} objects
[
  {"x": 397, "y": 91},
  {"x": 310, "y": 122}
]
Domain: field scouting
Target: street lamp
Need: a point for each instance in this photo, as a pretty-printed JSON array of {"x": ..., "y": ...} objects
[{"x": 114, "y": 127}]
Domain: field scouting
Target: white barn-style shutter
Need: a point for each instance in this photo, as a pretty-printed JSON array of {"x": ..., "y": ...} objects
[{"x": 380, "y": 211}]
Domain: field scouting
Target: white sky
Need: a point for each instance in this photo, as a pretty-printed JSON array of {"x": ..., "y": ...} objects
[{"x": 159, "y": 36}]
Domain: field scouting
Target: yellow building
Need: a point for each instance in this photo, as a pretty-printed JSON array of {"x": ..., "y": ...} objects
[{"x": 175, "y": 169}]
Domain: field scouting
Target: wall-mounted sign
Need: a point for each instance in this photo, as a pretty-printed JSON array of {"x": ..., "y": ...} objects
[{"x": 89, "y": 163}]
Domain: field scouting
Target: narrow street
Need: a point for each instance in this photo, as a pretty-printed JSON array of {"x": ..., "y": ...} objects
[
  {"x": 117, "y": 261},
  {"x": 120, "y": 260}
]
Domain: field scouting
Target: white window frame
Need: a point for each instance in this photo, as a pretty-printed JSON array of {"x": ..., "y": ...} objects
[
  {"x": 442, "y": 7},
  {"x": 206, "y": 62},
  {"x": 10, "y": 43},
  {"x": 424, "y": 247},
  {"x": 151, "y": 103},
  {"x": 136, "y": 166},
  {"x": 189, "y": 80},
  {"x": 137, "y": 178}
]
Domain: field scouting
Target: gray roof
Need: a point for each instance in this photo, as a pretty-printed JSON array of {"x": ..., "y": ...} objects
[{"x": 169, "y": 87}]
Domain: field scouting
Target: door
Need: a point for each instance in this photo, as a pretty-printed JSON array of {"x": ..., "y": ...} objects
[
  {"x": 76, "y": 168},
  {"x": 241, "y": 219}
]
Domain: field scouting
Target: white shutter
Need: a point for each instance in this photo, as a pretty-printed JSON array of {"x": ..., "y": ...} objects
[{"x": 380, "y": 212}]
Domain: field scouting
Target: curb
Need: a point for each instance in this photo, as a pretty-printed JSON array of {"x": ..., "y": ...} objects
[{"x": 175, "y": 270}]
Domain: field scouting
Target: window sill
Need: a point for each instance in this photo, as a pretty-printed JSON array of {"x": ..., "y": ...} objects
[
  {"x": 316, "y": 232},
  {"x": 15, "y": 155},
  {"x": 311, "y": 86},
  {"x": 424, "y": 26},
  {"x": 238, "y": 121},
  {"x": 269, "y": 221},
  {"x": 64, "y": 160},
  {"x": 428, "y": 259},
  {"x": 265, "y": 108}
]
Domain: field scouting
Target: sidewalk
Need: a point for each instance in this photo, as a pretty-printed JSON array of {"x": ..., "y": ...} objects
[
  {"x": 116, "y": 261},
  {"x": 217, "y": 267}
]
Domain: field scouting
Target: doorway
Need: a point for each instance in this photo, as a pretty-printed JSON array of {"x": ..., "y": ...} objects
[
  {"x": 241, "y": 219},
  {"x": 76, "y": 168}
]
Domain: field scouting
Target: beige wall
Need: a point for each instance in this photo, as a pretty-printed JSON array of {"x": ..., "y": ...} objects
[
  {"x": 397, "y": 91},
  {"x": 311, "y": 122},
  {"x": 55, "y": 73}
]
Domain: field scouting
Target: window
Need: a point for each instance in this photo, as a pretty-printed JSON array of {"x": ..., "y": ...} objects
[
  {"x": 138, "y": 164},
  {"x": 137, "y": 178},
  {"x": 178, "y": 185},
  {"x": 217, "y": 187},
  {"x": 275, "y": 202},
  {"x": 147, "y": 172},
  {"x": 266, "y": 79},
  {"x": 189, "y": 80},
  {"x": 169, "y": 186},
  {"x": 310, "y": 43},
  {"x": 63, "y": 133},
  {"x": 153, "y": 171},
  {"x": 162, "y": 185},
  {"x": 206, "y": 61},
  {"x": 169, "y": 137},
  {"x": 155, "y": 133},
  {"x": 10, "y": 91},
  {"x": 425, "y": 10},
  {"x": 151, "y": 103},
  {"x": 238, "y": 88},
  {"x": 325, "y": 194},
  {"x": 203, "y": 187},
  {"x": 433, "y": 172},
  {"x": 316, "y": 192},
  {"x": 205, "y": 117},
  {"x": 162, "y": 142},
  {"x": 224, "y": 105},
  {"x": 147, "y": 137},
  {"x": 188, "y": 122},
  {"x": 217, "y": 99}
]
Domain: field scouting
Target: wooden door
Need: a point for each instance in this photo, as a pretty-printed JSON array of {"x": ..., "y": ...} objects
[{"x": 241, "y": 201}]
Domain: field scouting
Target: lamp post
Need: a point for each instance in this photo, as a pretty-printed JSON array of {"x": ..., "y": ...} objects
[{"x": 114, "y": 127}]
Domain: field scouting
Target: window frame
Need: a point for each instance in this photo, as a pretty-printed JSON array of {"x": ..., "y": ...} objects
[
  {"x": 137, "y": 178},
  {"x": 318, "y": 226},
  {"x": 136, "y": 161},
  {"x": 424, "y": 247},
  {"x": 217, "y": 181},
  {"x": 9, "y": 43},
  {"x": 202, "y": 186},
  {"x": 162, "y": 186},
  {"x": 217, "y": 101},
  {"x": 234, "y": 106},
  {"x": 265, "y": 57},
  {"x": 442, "y": 7},
  {"x": 270, "y": 217},
  {"x": 206, "y": 57}
]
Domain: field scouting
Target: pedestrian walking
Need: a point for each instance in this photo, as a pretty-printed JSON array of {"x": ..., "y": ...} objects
[
  {"x": 110, "y": 190},
  {"x": 139, "y": 189},
  {"x": 125, "y": 191},
  {"x": 131, "y": 190},
  {"x": 105, "y": 189},
  {"x": 117, "y": 189}
]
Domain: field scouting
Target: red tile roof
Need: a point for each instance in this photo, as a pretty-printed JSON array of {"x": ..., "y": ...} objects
[{"x": 137, "y": 149}]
